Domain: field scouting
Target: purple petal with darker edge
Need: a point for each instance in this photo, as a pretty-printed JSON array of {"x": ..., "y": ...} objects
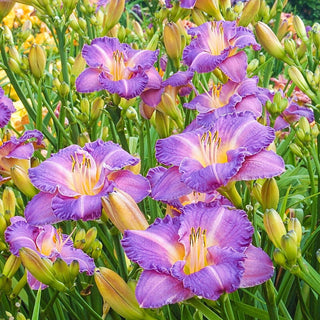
[
  {"x": 156, "y": 248},
  {"x": 135, "y": 185},
  {"x": 250, "y": 103},
  {"x": 140, "y": 58},
  {"x": 168, "y": 185},
  {"x": 84, "y": 208},
  {"x": 5, "y": 115},
  {"x": 244, "y": 38},
  {"x": 88, "y": 81},
  {"x": 235, "y": 67},
  {"x": 181, "y": 78},
  {"x": 151, "y": 97},
  {"x": 265, "y": 164},
  {"x": 125, "y": 88},
  {"x": 155, "y": 290},
  {"x": 258, "y": 267},
  {"x": 38, "y": 210},
  {"x": 187, "y": 4}
]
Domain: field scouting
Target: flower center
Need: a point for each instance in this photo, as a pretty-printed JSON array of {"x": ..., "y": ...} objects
[
  {"x": 209, "y": 147},
  {"x": 196, "y": 259},
  {"x": 217, "y": 42},
  {"x": 118, "y": 65},
  {"x": 83, "y": 175}
]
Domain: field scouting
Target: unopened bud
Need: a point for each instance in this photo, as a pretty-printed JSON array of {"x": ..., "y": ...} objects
[
  {"x": 162, "y": 123},
  {"x": 131, "y": 114},
  {"x": 153, "y": 43},
  {"x": 14, "y": 54},
  {"x": 295, "y": 225},
  {"x": 274, "y": 226},
  {"x": 96, "y": 108},
  {"x": 89, "y": 238},
  {"x": 61, "y": 270},
  {"x": 210, "y": 7},
  {"x": 79, "y": 239},
  {"x": 279, "y": 257},
  {"x": 305, "y": 126},
  {"x": 290, "y": 48},
  {"x": 22, "y": 181},
  {"x": 300, "y": 28},
  {"x": 172, "y": 41},
  {"x": 270, "y": 42},
  {"x": 11, "y": 266},
  {"x": 256, "y": 191},
  {"x": 37, "y": 61},
  {"x": 39, "y": 269},
  {"x": 9, "y": 201},
  {"x": 249, "y": 12},
  {"x": 198, "y": 17},
  {"x": 270, "y": 194},
  {"x": 5, "y": 7},
  {"x": 14, "y": 66},
  {"x": 123, "y": 211},
  {"x": 295, "y": 149},
  {"x": 85, "y": 106},
  {"x": 289, "y": 246},
  {"x": 113, "y": 12},
  {"x": 253, "y": 65},
  {"x": 283, "y": 29},
  {"x": 118, "y": 294}
]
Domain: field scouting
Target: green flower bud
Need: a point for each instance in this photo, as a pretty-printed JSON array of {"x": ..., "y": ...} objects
[
  {"x": 295, "y": 149},
  {"x": 211, "y": 7},
  {"x": 270, "y": 194},
  {"x": 289, "y": 246},
  {"x": 11, "y": 266},
  {"x": 198, "y": 17},
  {"x": 37, "y": 61},
  {"x": 96, "y": 108},
  {"x": 290, "y": 48},
  {"x": 9, "y": 201},
  {"x": 172, "y": 42},
  {"x": 253, "y": 65},
  {"x": 5, "y": 8},
  {"x": 279, "y": 257},
  {"x": 249, "y": 12},
  {"x": 300, "y": 28},
  {"x": 64, "y": 89},
  {"x": 295, "y": 225},
  {"x": 274, "y": 226},
  {"x": 22, "y": 181}
]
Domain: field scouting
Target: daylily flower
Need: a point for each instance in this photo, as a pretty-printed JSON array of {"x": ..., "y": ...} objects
[
  {"x": 205, "y": 251},
  {"x": 232, "y": 149},
  {"x": 6, "y": 109},
  {"x": 117, "y": 68},
  {"x": 215, "y": 44},
  {"x": 227, "y": 98},
  {"x": 80, "y": 177},
  {"x": 18, "y": 152},
  {"x": 47, "y": 242}
]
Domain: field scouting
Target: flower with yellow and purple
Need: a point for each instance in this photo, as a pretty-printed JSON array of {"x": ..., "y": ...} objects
[
  {"x": 233, "y": 148},
  {"x": 117, "y": 68},
  {"x": 203, "y": 252},
  {"x": 47, "y": 242},
  {"x": 215, "y": 44},
  {"x": 73, "y": 181}
]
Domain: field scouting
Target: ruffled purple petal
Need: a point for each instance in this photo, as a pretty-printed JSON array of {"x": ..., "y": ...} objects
[
  {"x": 86, "y": 264},
  {"x": 223, "y": 275},
  {"x": 88, "y": 81},
  {"x": 84, "y": 208},
  {"x": 20, "y": 234},
  {"x": 250, "y": 103},
  {"x": 125, "y": 88},
  {"x": 244, "y": 38},
  {"x": 224, "y": 227},
  {"x": 141, "y": 58},
  {"x": 258, "y": 267},
  {"x": 5, "y": 114},
  {"x": 181, "y": 78},
  {"x": 187, "y": 4},
  {"x": 156, "y": 248},
  {"x": 235, "y": 67},
  {"x": 155, "y": 290},
  {"x": 135, "y": 185},
  {"x": 265, "y": 164},
  {"x": 39, "y": 211}
]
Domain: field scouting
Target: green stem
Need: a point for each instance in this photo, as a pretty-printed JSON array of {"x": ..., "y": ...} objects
[
  {"x": 50, "y": 303},
  {"x": 227, "y": 308},
  {"x": 198, "y": 305},
  {"x": 120, "y": 256},
  {"x": 85, "y": 305},
  {"x": 270, "y": 297},
  {"x": 36, "y": 309},
  {"x": 313, "y": 191}
]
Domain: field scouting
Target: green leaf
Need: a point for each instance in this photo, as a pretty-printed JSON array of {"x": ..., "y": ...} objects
[{"x": 36, "y": 309}]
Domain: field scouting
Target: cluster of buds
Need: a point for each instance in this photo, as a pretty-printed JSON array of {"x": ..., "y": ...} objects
[
  {"x": 305, "y": 134},
  {"x": 287, "y": 241},
  {"x": 88, "y": 242},
  {"x": 119, "y": 295},
  {"x": 10, "y": 268},
  {"x": 313, "y": 78},
  {"x": 278, "y": 105}
]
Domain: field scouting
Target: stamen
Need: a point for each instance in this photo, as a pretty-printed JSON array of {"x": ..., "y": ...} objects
[{"x": 209, "y": 145}]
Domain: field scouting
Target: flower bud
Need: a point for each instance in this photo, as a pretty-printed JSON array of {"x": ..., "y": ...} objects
[
  {"x": 253, "y": 65},
  {"x": 3, "y": 224},
  {"x": 14, "y": 66},
  {"x": 270, "y": 42},
  {"x": 11, "y": 266},
  {"x": 168, "y": 106},
  {"x": 131, "y": 114},
  {"x": 85, "y": 106},
  {"x": 249, "y": 12},
  {"x": 37, "y": 61},
  {"x": 289, "y": 246},
  {"x": 96, "y": 108},
  {"x": 5, "y": 8},
  {"x": 305, "y": 126},
  {"x": 295, "y": 225},
  {"x": 198, "y": 17},
  {"x": 64, "y": 89},
  {"x": 279, "y": 257},
  {"x": 274, "y": 226},
  {"x": 40, "y": 269},
  {"x": 295, "y": 149},
  {"x": 79, "y": 239},
  {"x": 137, "y": 29},
  {"x": 5, "y": 283},
  {"x": 299, "y": 80},
  {"x": 153, "y": 43},
  {"x": 9, "y": 201},
  {"x": 14, "y": 54},
  {"x": 270, "y": 194},
  {"x": 256, "y": 191},
  {"x": 172, "y": 42},
  {"x": 283, "y": 29},
  {"x": 300, "y": 28},
  {"x": 22, "y": 181},
  {"x": 290, "y": 48},
  {"x": 211, "y": 7},
  {"x": 62, "y": 272},
  {"x": 123, "y": 211},
  {"x": 118, "y": 294},
  {"x": 162, "y": 123},
  {"x": 113, "y": 12},
  {"x": 89, "y": 238}
]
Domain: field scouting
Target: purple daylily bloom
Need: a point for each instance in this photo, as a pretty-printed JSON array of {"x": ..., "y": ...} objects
[
  {"x": 227, "y": 98},
  {"x": 234, "y": 148},
  {"x": 117, "y": 68},
  {"x": 215, "y": 44},
  {"x": 48, "y": 243},
  {"x": 18, "y": 152},
  {"x": 80, "y": 177},
  {"x": 6, "y": 109},
  {"x": 205, "y": 251}
]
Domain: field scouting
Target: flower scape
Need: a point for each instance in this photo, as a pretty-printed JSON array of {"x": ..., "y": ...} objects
[{"x": 159, "y": 160}]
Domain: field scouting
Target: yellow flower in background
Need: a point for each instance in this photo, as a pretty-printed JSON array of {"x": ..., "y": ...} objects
[{"x": 19, "y": 118}]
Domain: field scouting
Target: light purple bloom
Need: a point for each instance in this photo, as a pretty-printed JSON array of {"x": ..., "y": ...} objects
[
  {"x": 233, "y": 149},
  {"x": 117, "y": 68},
  {"x": 18, "y": 151},
  {"x": 205, "y": 251},
  {"x": 48, "y": 243},
  {"x": 73, "y": 181},
  {"x": 6, "y": 109},
  {"x": 215, "y": 44},
  {"x": 227, "y": 98}
]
